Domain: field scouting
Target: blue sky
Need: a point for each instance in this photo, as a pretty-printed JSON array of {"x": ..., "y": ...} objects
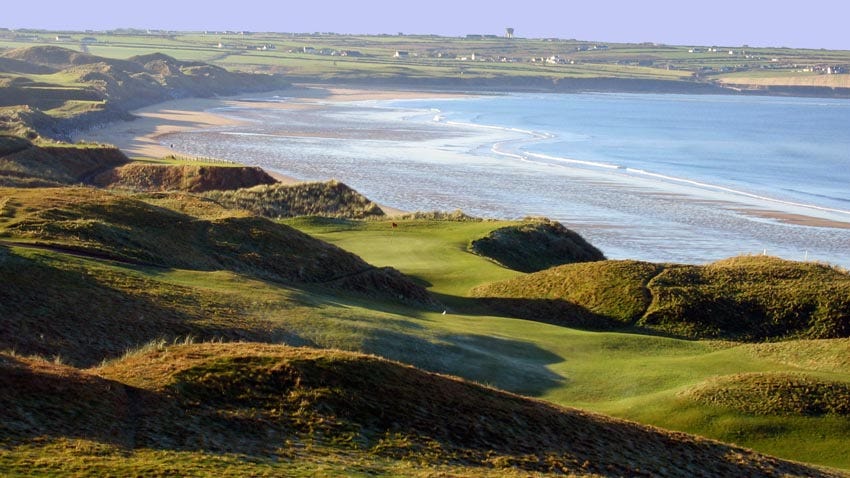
[{"x": 804, "y": 24}]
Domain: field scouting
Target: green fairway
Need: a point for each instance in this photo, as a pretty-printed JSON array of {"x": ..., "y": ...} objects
[{"x": 413, "y": 246}]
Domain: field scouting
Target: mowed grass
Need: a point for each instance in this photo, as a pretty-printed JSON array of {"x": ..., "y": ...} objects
[{"x": 433, "y": 251}]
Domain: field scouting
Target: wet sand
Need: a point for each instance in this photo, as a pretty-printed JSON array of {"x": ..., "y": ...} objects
[
  {"x": 796, "y": 219},
  {"x": 142, "y": 136}
]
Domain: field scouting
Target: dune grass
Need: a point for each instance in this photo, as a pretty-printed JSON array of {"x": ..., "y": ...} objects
[
  {"x": 747, "y": 298},
  {"x": 535, "y": 245},
  {"x": 277, "y": 406},
  {"x": 331, "y": 198}
]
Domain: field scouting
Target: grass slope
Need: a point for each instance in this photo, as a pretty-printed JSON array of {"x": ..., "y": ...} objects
[
  {"x": 744, "y": 298},
  {"x": 23, "y": 163},
  {"x": 535, "y": 246},
  {"x": 280, "y": 403},
  {"x": 124, "y": 228}
]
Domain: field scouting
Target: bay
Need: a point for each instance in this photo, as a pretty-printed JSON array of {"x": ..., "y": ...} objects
[{"x": 669, "y": 178}]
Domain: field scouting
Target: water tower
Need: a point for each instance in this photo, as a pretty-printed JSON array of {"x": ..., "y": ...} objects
[{"x": 509, "y": 32}]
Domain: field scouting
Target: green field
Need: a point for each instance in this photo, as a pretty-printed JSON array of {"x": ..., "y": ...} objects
[{"x": 443, "y": 57}]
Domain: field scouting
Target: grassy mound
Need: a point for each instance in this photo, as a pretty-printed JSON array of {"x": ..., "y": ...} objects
[
  {"x": 39, "y": 398},
  {"x": 274, "y": 401},
  {"x": 119, "y": 227},
  {"x": 596, "y": 295},
  {"x": 332, "y": 199},
  {"x": 751, "y": 298},
  {"x": 189, "y": 178},
  {"x": 744, "y": 298},
  {"x": 774, "y": 394},
  {"x": 535, "y": 246},
  {"x": 23, "y": 163},
  {"x": 12, "y": 65}
]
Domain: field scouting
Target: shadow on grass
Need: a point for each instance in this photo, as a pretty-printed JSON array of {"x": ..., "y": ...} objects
[
  {"x": 85, "y": 316},
  {"x": 549, "y": 311},
  {"x": 512, "y": 365}
]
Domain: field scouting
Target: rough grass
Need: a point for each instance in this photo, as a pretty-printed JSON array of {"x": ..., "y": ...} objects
[
  {"x": 83, "y": 312},
  {"x": 329, "y": 199},
  {"x": 774, "y": 394},
  {"x": 596, "y": 295},
  {"x": 120, "y": 227},
  {"x": 275, "y": 403},
  {"x": 751, "y": 298},
  {"x": 68, "y": 164},
  {"x": 534, "y": 246},
  {"x": 745, "y": 298}
]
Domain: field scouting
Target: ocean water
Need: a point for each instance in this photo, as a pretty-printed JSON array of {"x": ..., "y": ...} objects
[{"x": 673, "y": 178}]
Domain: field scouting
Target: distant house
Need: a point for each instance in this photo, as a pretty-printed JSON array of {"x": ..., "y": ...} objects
[
  {"x": 401, "y": 54},
  {"x": 556, "y": 60},
  {"x": 695, "y": 50},
  {"x": 308, "y": 49},
  {"x": 350, "y": 53},
  {"x": 63, "y": 37},
  {"x": 89, "y": 40}
]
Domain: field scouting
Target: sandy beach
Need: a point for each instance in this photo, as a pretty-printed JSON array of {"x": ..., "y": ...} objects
[{"x": 142, "y": 136}]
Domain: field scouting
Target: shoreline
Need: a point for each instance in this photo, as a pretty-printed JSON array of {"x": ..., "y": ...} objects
[
  {"x": 139, "y": 137},
  {"x": 142, "y": 136}
]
